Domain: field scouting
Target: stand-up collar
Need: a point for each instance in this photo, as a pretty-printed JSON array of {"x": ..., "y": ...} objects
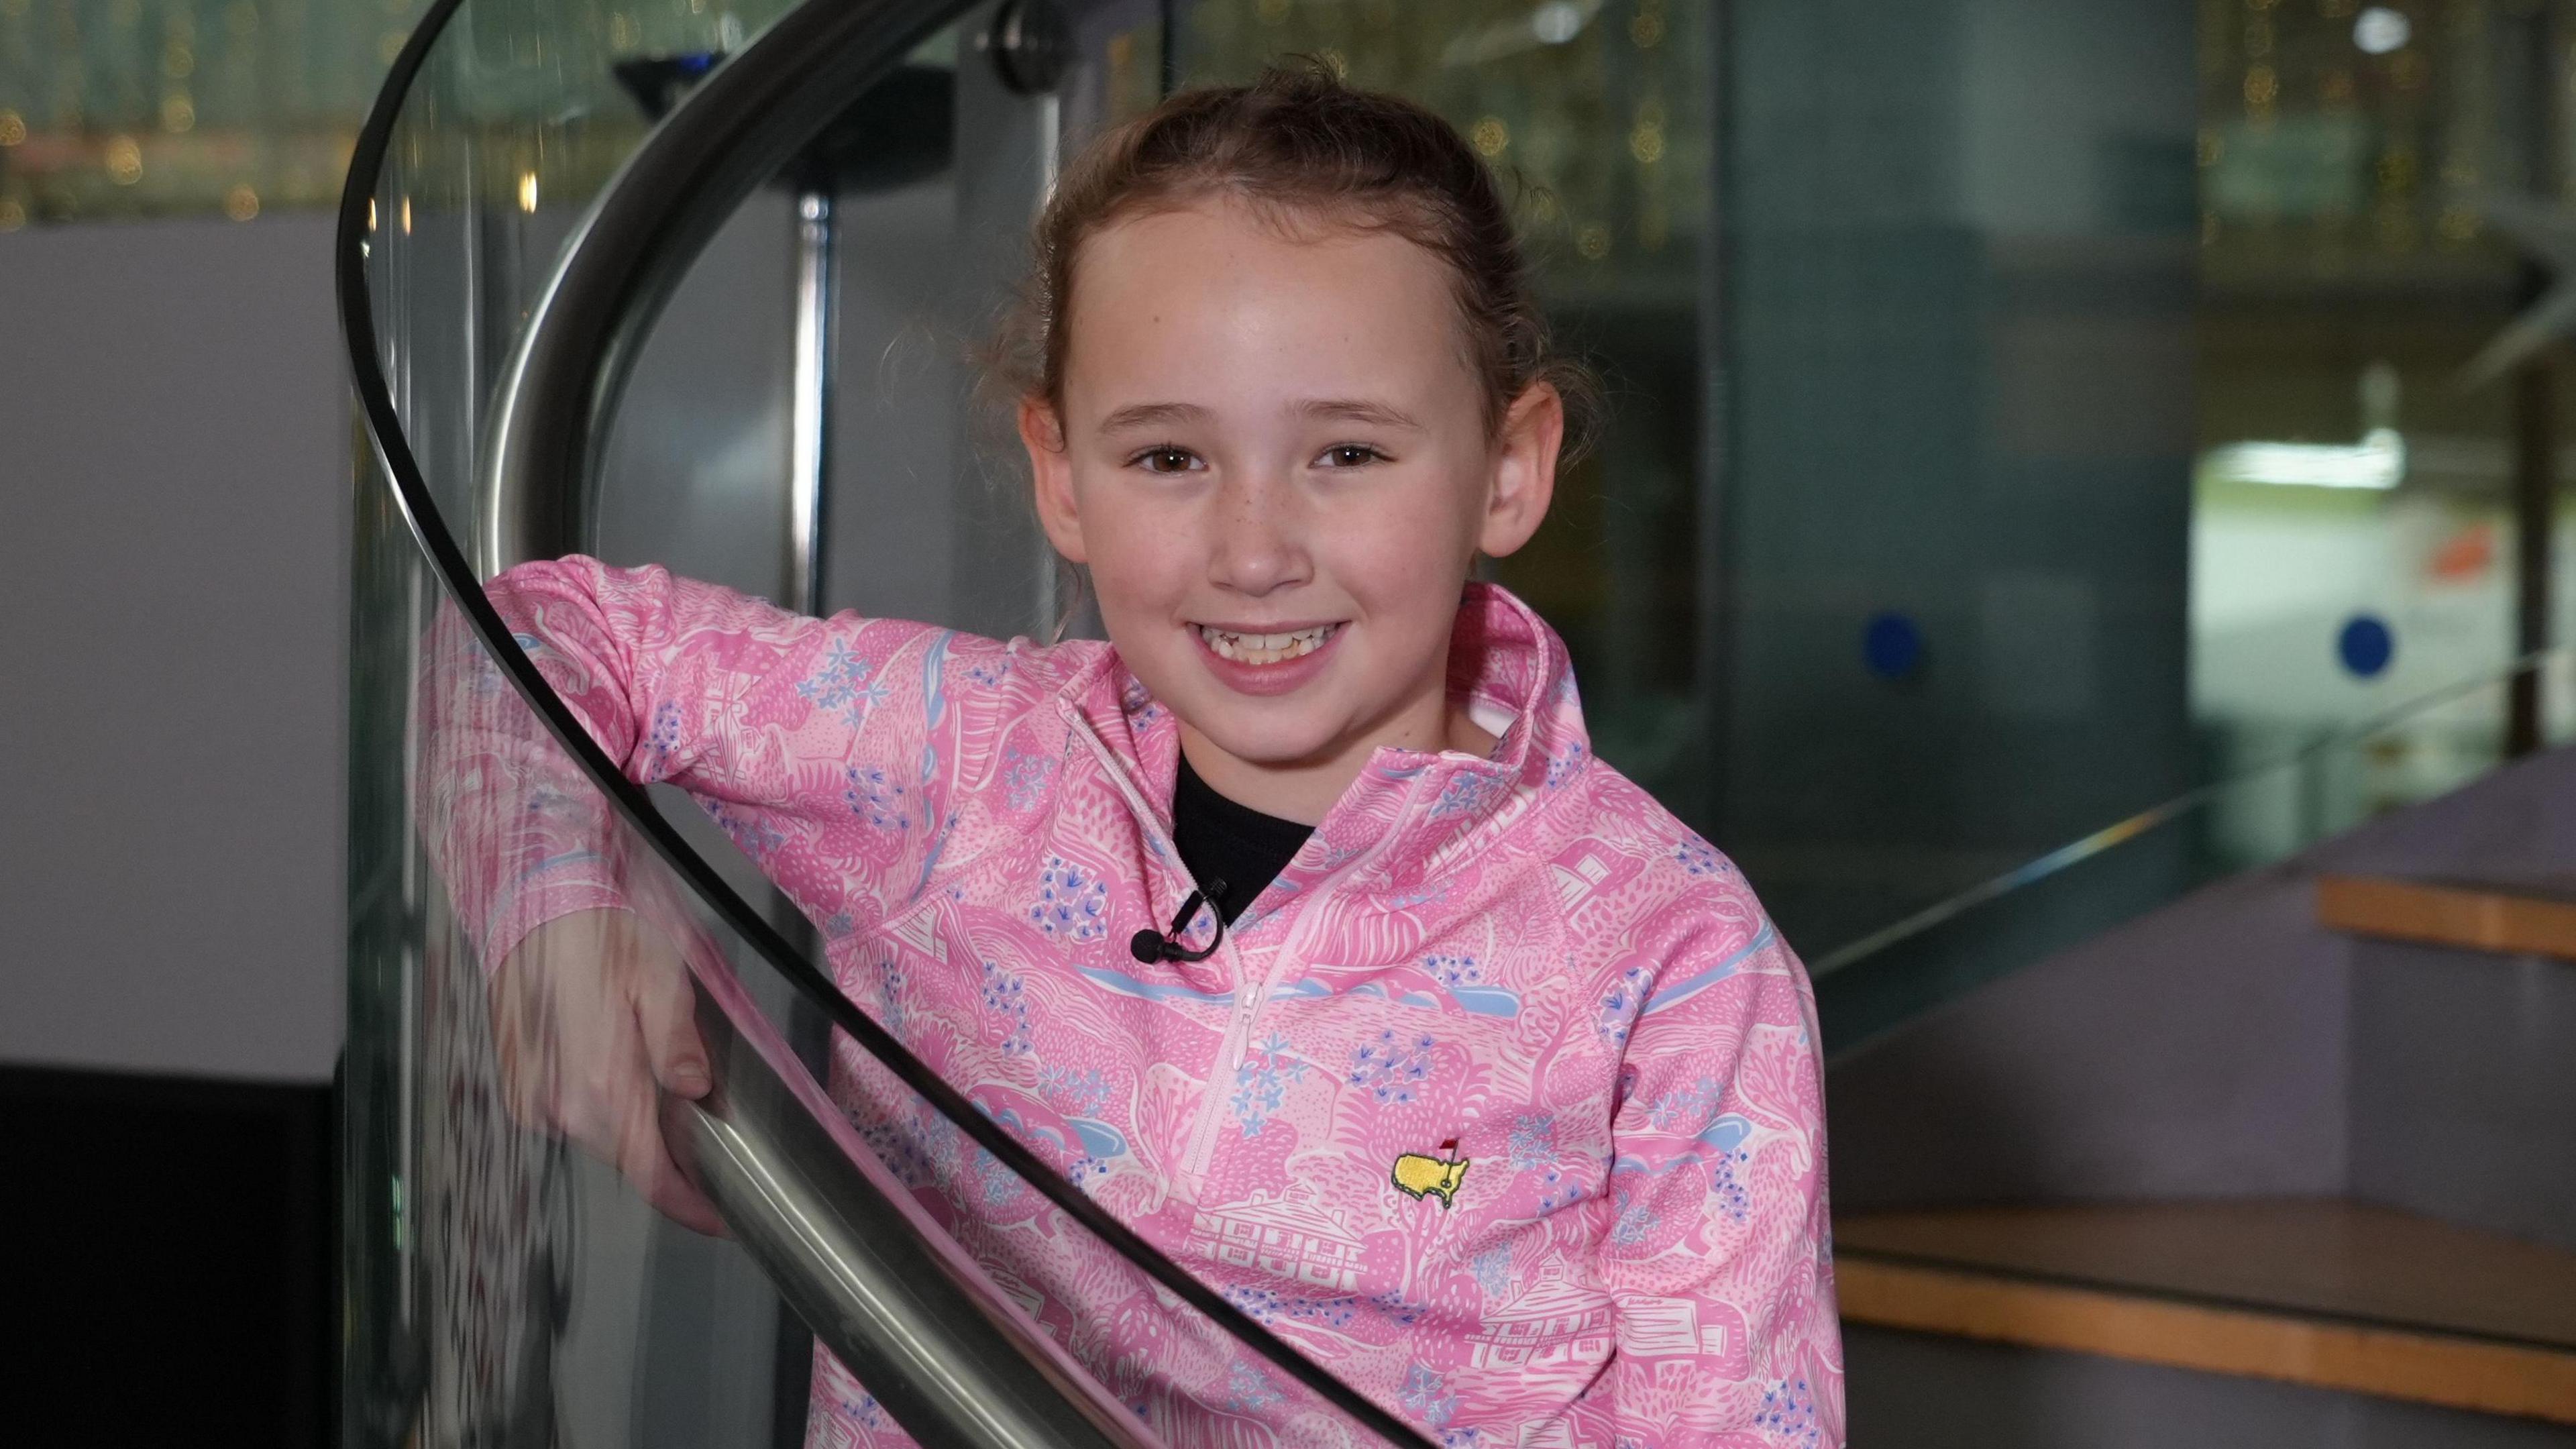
[{"x": 1410, "y": 813}]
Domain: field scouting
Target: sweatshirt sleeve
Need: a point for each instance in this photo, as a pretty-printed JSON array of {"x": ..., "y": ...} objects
[
  {"x": 1718, "y": 1259},
  {"x": 828, "y": 748}
]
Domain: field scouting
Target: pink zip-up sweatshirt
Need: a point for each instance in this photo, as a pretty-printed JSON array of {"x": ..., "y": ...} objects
[{"x": 1503, "y": 1102}]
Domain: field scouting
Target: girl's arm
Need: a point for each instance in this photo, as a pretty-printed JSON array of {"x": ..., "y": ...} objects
[
  {"x": 827, "y": 746},
  {"x": 1719, "y": 1261}
]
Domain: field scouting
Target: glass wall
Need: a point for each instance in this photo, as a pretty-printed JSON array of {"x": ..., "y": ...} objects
[
  {"x": 2023, "y": 412},
  {"x": 2372, "y": 179},
  {"x": 1879, "y": 577}
]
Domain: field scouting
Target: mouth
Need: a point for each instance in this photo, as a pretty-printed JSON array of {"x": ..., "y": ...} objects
[{"x": 1257, "y": 649}]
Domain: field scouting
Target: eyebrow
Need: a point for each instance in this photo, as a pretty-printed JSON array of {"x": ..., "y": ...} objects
[
  {"x": 1358, "y": 410},
  {"x": 1166, "y": 414},
  {"x": 1145, "y": 415}
]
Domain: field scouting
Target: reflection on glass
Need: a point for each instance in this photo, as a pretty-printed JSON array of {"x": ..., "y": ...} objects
[
  {"x": 532, "y": 1134},
  {"x": 2365, "y": 174},
  {"x": 2021, "y": 414}
]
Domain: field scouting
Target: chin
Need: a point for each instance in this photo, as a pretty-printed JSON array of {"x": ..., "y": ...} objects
[{"x": 1279, "y": 745}]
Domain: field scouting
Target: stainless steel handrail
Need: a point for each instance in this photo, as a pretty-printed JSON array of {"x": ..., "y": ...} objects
[
  {"x": 898, "y": 1303},
  {"x": 538, "y": 483},
  {"x": 876, "y": 1284},
  {"x": 937, "y": 1344}
]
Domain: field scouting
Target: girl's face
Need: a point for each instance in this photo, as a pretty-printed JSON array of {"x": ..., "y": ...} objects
[{"x": 1276, "y": 461}]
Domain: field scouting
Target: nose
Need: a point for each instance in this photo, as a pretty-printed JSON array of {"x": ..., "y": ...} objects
[{"x": 1260, "y": 543}]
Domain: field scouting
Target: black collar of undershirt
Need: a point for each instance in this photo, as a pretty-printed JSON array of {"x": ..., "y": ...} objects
[{"x": 1222, "y": 840}]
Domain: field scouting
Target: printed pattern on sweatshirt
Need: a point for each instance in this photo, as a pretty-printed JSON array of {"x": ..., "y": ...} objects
[{"x": 1504, "y": 1102}]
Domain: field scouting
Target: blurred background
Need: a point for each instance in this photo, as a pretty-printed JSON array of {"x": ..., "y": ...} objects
[{"x": 2068, "y": 460}]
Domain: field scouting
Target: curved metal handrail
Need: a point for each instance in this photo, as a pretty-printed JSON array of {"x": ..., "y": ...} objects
[
  {"x": 2119, "y": 832},
  {"x": 744, "y": 121},
  {"x": 727, "y": 136}
]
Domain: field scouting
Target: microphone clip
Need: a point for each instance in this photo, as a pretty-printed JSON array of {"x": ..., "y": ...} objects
[{"x": 1149, "y": 945}]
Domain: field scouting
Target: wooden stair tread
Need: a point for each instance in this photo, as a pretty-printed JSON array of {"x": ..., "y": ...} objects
[
  {"x": 2477, "y": 916},
  {"x": 2335, "y": 1294}
]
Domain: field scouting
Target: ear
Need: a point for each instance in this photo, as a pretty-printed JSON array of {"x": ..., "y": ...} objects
[
  {"x": 1524, "y": 470},
  {"x": 1051, "y": 473}
]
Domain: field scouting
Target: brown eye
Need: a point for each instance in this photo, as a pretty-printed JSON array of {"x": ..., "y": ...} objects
[
  {"x": 1349, "y": 455},
  {"x": 1165, "y": 460}
]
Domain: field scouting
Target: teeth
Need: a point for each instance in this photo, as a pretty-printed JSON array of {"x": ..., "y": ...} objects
[{"x": 1265, "y": 648}]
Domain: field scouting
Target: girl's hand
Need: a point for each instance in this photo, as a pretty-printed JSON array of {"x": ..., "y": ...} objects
[{"x": 591, "y": 1019}]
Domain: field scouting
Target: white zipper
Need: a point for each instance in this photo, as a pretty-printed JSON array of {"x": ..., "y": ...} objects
[
  {"x": 1193, "y": 1157},
  {"x": 1247, "y": 1004},
  {"x": 1247, "y": 1007}
]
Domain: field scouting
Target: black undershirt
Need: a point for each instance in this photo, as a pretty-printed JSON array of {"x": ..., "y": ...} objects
[{"x": 1220, "y": 840}]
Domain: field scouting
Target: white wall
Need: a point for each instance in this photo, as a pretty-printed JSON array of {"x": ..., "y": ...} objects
[{"x": 174, "y": 482}]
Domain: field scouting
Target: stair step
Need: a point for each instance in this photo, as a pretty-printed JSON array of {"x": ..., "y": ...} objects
[
  {"x": 2479, "y": 917},
  {"x": 2333, "y": 1294}
]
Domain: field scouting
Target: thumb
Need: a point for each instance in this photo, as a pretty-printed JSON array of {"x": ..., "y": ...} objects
[{"x": 665, "y": 1003}]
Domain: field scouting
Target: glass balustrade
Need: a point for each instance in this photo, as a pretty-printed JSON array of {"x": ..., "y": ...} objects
[{"x": 829, "y": 1225}]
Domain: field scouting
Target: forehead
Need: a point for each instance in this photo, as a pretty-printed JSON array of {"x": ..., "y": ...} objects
[{"x": 1216, "y": 286}]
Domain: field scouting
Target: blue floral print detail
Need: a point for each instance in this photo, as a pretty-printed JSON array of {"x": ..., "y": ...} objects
[
  {"x": 890, "y": 1007},
  {"x": 1560, "y": 1191},
  {"x": 1621, "y": 1003},
  {"x": 1636, "y": 1221},
  {"x": 1075, "y": 1091},
  {"x": 1698, "y": 857},
  {"x": 1421, "y": 1393},
  {"x": 1001, "y": 1185},
  {"x": 902, "y": 1148},
  {"x": 1248, "y": 1390},
  {"x": 863, "y": 1410},
  {"x": 1395, "y": 1310},
  {"x": 1561, "y": 768},
  {"x": 1261, "y": 1083},
  {"x": 756, "y": 837},
  {"x": 1533, "y": 1142},
  {"x": 1466, "y": 793},
  {"x": 1459, "y": 1438},
  {"x": 989, "y": 675},
  {"x": 1006, "y": 996},
  {"x": 1269, "y": 1305},
  {"x": 873, "y": 796},
  {"x": 839, "y": 924},
  {"x": 1686, "y": 1109},
  {"x": 1072, "y": 902},
  {"x": 844, "y": 683},
  {"x": 1024, "y": 778},
  {"x": 1493, "y": 1269},
  {"x": 1788, "y": 1413},
  {"x": 664, "y": 741},
  {"x": 1391, "y": 1067},
  {"x": 1454, "y": 971},
  {"x": 1726, "y": 1189}
]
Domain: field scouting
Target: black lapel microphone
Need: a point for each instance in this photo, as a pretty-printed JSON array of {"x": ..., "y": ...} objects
[{"x": 1150, "y": 945}]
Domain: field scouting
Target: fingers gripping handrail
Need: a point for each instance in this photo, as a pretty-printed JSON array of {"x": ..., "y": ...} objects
[{"x": 842, "y": 1249}]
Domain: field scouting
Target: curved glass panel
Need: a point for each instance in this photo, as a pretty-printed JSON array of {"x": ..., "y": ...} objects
[{"x": 564, "y": 1225}]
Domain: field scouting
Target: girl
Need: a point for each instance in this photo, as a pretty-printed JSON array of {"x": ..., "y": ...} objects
[{"x": 1484, "y": 1081}]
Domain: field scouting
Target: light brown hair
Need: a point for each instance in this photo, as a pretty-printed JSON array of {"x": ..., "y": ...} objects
[{"x": 1303, "y": 149}]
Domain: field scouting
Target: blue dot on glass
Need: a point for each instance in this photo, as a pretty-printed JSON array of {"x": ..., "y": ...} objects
[
  {"x": 1891, "y": 645},
  {"x": 2365, "y": 645}
]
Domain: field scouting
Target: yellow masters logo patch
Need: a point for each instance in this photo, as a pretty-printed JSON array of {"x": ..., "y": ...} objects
[{"x": 1420, "y": 1175}]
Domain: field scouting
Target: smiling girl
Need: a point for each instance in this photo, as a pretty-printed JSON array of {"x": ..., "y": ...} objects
[{"x": 1297, "y": 922}]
